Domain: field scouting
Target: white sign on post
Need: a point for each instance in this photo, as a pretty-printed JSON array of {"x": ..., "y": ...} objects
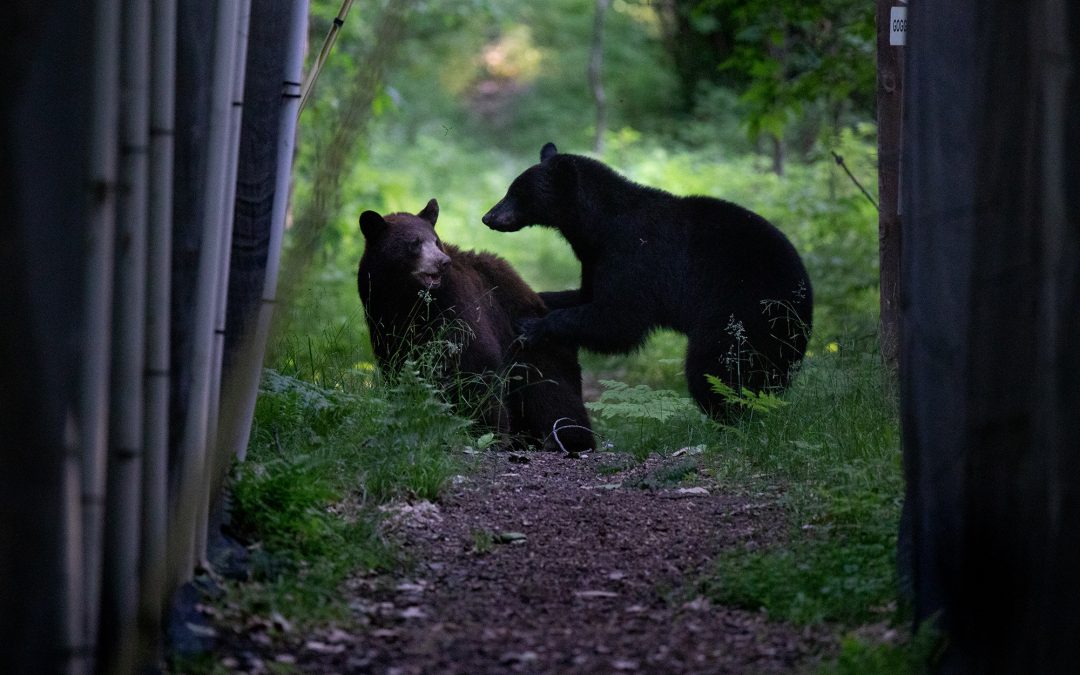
[{"x": 898, "y": 26}]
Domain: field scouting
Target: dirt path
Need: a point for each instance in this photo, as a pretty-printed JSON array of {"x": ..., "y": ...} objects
[{"x": 542, "y": 564}]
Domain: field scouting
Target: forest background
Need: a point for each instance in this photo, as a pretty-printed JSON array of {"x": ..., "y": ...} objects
[{"x": 752, "y": 101}]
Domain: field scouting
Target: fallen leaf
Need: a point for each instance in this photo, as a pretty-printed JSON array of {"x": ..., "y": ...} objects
[
  {"x": 280, "y": 622},
  {"x": 693, "y": 491},
  {"x": 596, "y": 594},
  {"x": 323, "y": 648},
  {"x": 201, "y": 631},
  {"x": 690, "y": 450},
  {"x": 509, "y": 537},
  {"x": 335, "y": 635}
]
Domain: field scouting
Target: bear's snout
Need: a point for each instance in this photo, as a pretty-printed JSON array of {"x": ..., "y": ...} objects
[
  {"x": 431, "y": 265},
  {"x": 501, "y": 217}
]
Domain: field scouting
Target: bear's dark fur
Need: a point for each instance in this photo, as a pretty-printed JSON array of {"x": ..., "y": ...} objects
[
  {"x": 415, "y": 288},
  {"x": 708, "y": 268}
]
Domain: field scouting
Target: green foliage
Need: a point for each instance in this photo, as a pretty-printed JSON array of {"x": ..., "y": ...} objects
[
  {"x": 320, "y": 462},
  {"x": 639, "y": 403},
  {"x": 799, "y": 54},
  {"x": 841, "y": 568},
  {"x": 483, "y": 541},
  {"x": 642, "y": 420},
  {"x": 920, "y": 654},
  {"x": 667, "y": 475},
  {"x": 282, "y": 502},
  {"x": 761, "y": 402},
  {"x": 835, "y": 445},
  {"x": 859, "y": 658}
]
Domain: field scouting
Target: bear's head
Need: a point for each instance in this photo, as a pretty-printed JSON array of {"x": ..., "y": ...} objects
[
  {"x": 407, "y": 243},
  {"x": 532, "y": 196}
]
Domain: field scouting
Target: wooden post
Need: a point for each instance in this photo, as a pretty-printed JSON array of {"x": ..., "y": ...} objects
[
  {"x": 890, "y": 96},
  {"x": 990, "y": 365}
]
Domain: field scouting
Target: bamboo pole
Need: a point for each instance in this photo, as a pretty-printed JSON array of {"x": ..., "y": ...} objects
[
  {"x": 328, "y": 44},
  {"x": 249, "y": 372},
  {"x": 94, "y": 372},
  {"x": 214, "y": 461},
  {"x": 120, "y": 592},
  {"x": 193, "y": 443},
  {"x": 155, "y": 485}
]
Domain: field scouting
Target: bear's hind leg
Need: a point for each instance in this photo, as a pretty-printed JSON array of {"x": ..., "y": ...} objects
[
  {"x": 707, "y": 357},
  {"x": 547, "y": 395}
]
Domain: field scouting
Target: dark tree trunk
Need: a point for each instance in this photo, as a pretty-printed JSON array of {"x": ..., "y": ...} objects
[
  {"x": 990, "y": 364},
  {"x": 890, "y": 89},
  {"x": 257, "y": 170},
  {"x": 195, "y": 23},
  {"x": 46, "y": 63}
]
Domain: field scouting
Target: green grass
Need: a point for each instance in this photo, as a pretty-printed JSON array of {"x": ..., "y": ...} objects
[
  {"x": 321, "y": 461},
  {"x": 833, "y": 445}
]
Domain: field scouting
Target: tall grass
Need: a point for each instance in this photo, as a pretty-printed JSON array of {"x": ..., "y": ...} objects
[
  {"x": 831, "y": 443},
  {"x": 326, "y": 451}
]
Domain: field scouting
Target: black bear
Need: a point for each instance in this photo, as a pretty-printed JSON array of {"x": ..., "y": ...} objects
[
  {"x": 713, "y": 270},
  {"x": 415, "y": 288}
]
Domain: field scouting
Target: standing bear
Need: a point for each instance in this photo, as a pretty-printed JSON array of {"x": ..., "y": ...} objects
[
  {"x": 717, "y": 272},
  {"x": 416, "y": 289}
]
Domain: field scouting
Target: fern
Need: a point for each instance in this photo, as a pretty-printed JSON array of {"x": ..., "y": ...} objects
[
  {"x": 763, "y": 402},
  {"x": 620, "y": 400}
]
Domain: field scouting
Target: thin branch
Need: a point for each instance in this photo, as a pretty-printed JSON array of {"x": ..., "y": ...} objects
[
  {"x": 324, "y": 53},
  {"x": 840, "y": 161}
]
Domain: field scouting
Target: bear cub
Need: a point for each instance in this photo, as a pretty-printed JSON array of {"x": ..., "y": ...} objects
[
  {"x": 416, "y": 289},
  {"x": 715, "y": 271}
]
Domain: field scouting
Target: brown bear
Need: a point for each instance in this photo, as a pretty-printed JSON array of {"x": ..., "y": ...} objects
[{"x": 416, "y": 289}]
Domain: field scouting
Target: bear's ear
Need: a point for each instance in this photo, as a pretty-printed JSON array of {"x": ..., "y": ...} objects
[
  {"x": 430, "y": 212},
  {"x": 548, "y": 151},
  {"x": 371, "y": 224}
]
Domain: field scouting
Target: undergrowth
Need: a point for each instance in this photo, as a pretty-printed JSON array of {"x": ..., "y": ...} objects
[
  {"x": 321, "y": 461},
  {"x": 831, "y": 442}
]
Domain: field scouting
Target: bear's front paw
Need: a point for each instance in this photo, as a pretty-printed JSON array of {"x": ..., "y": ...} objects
[{"x": 530, "y": 331}]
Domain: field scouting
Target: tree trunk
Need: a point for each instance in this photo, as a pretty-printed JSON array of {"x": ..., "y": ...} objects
[
  {"x": 890, "y": 89},
  {"x": 195, "y": 22},
  {"x": 45, "y": 192},
  {"x": 266, "y": 151},
  {"x": 991, "y": 283},
  {"x": 596, "y": 82},
  {"x": 193, "y": 451},
  {"x": 154, "y": 533},
  {"x": 123, "y": 503}
]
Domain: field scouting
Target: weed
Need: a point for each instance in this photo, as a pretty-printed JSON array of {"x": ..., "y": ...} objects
[
  {"x": 644, "y": 420},
  {"x": 761, "y": 402},
  {"x": 842, "y": 569},
  {"x": 667, "y": 475},
  {"x": 320, "y": 462},
  {"x": 483, "y": 542},
  {"x": 836, "y": 443}
]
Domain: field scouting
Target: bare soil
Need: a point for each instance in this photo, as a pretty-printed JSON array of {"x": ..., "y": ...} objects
[{"x": 541, "y": 564}]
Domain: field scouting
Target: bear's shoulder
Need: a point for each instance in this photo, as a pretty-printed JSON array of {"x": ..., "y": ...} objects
[{"x": 494, "y": 274}]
